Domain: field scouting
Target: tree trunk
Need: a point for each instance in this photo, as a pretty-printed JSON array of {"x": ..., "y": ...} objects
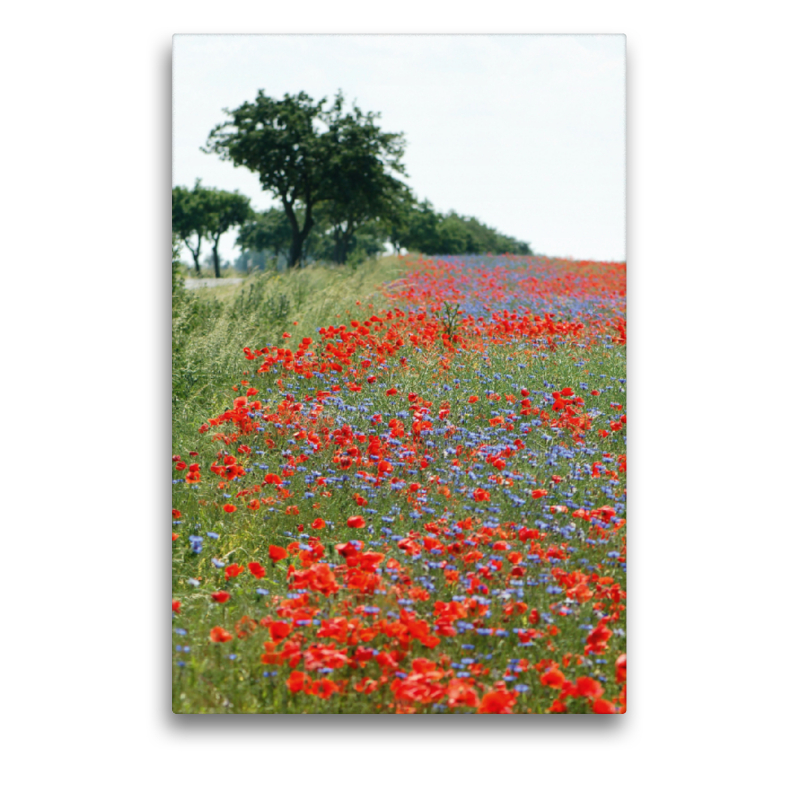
[
  {"x": 195, "y": 253},
  {"x": 296, "y": 247},
  {"x": 346, "y": 239},
  {"x": 338, "y": 255},
  {"x": 298, "y": 236},
  {"x": 295, "y": 250},
  {"x": 215, "y": 251}
]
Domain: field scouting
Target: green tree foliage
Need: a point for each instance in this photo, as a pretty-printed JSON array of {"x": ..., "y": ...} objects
[
  {"x": 424, "y": 230},
  {"x": 305, "y": 155},
  {"x": 205, "y": 213},
  {"x": 224, "y": 210},
  {"x": 360, "y": 183},
  {"x": 268, "y": 231},
  {"x": 189, "y": 219}
]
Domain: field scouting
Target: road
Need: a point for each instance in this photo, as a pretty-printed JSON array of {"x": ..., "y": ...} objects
[{"x": 205, "y": 283}]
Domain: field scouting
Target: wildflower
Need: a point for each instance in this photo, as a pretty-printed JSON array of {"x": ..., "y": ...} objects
[
  {"x": 603, "y": 707},
  {"x": 220, "y": 635},
  {"x": 588, "y": 687},
  {"x": 621, "y": 666},
  {"x": 499, "y": 701},
  {"x": 279, "y": 630},
  {"x": 297, "y": 682},
  {"x": 277, "y": 553},
  {"x": 256, "y": 569},
  {"x": 553, "y": 678}
]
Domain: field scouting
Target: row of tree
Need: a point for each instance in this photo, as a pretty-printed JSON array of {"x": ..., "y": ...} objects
[{"x": 336, "y": 177}]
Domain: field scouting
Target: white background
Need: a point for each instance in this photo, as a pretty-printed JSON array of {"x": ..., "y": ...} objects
[{"x": 713, "y": 263}]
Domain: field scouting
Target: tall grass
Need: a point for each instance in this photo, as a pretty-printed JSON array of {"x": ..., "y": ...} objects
[{"x": 211, "y": 326}]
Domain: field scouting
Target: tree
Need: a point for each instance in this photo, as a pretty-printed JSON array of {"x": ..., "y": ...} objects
[
  {"x": 359, "y": 186},
  {"x": 223, "y": 211},
  {"x": 425, "y": 230},
  {"x": 418, "y": 229},
  {"x": 305, "y": 154},
  {"x": 206, "y": 213},
  {"x": 266, "y": 230},
  {"x": 189, "y": 219}
]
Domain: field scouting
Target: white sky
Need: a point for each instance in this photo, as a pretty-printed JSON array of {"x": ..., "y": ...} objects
[{"x": 527, "y": 133}]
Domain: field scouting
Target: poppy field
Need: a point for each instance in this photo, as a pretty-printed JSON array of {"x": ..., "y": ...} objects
[{"x": 418, "y": 509}]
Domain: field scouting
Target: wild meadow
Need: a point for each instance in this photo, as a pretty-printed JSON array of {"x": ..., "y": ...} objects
[{"x": 401, "y": 489}]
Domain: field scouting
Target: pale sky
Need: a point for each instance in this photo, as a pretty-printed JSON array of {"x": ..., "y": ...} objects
[{"x": 527, "y": 133}]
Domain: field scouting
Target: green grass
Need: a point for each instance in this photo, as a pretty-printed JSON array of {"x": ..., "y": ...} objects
[{"x": 211, "y": 326}]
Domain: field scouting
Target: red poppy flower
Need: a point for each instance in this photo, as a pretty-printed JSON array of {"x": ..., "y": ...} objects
[
  {"x": 318, "y": 523},
  {"x": 597, "y": 640},
  {"x": 603, "y": 707},
  {"x": 220, "y": 635},
  {"x": 622, "y": 669},
  {"x": 232, "y": 570},
  {"x": 588, "y": 687},
  {"x": 297, "y": 681},
  {"x": 277, "y": 553},
  {"x": 497, "y": 702},
  {"x": 279, "y": 630},
  {"x": 256, "y": 569},
  {"x": 176, "y": 514},
  {"x": 553, "y": 678},
  {"x": 537, "y": 493},
  {"x": 355, "y": 522},
  {"x": 481, "y": 495},
  {"x": 220, "y": 597},
  {"x": 228, "y": 508},
  {"x": 176, "y": 606},
  {"x": 472, "y": 398}
]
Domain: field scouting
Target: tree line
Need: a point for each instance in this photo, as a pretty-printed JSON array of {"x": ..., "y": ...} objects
[{"x": 338, "y": 180}]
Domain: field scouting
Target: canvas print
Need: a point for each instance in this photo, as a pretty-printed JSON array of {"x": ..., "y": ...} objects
[{"x": 399, "y": 375}]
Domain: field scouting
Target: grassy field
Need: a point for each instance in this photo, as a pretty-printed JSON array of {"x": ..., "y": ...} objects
[
  {"x": 406, "y": 495},
  {"x": 210, "y": 326}
]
